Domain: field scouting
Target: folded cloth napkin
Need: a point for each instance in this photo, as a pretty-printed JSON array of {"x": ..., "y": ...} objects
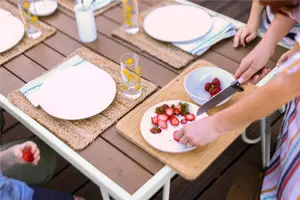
[
  {"x": 98, "y": 4},
  {"x": 31, "y": 89},
  {"x": 220, "y": 30}
]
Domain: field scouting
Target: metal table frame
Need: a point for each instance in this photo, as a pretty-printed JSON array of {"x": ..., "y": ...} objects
[{"x": 162, "y": 179}]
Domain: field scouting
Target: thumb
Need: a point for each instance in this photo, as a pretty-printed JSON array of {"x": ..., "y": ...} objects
[{"x": 282, "y": 59}]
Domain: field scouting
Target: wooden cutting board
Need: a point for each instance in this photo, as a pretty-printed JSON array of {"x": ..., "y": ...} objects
[{"x": 190, "y": 164}]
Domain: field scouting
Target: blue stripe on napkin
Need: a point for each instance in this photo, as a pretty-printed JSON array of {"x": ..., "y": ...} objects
[{"x": 34, "y": 85}]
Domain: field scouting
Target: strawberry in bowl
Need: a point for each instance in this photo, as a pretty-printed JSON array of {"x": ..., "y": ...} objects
[
  {"x": 204, "y": 83},
  {"x": 159, "y": 123}
]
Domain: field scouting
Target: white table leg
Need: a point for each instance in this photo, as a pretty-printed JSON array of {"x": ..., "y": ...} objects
[
  {"x": 166, "y": 190},
  {"x": 105, "y": 195},
  {"x": 268, "y": 139},
  {"x": 265, "y": 135}
]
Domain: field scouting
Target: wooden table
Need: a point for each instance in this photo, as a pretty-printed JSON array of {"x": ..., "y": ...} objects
[{"x": 121, "y": 161}]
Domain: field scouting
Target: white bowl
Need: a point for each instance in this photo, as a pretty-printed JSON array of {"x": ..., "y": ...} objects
[{"x": 195, "y": 81}]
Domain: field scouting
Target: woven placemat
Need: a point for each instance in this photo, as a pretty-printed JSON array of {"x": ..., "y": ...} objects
[
  {"x": 26, "y": 43},
  {"x": 163, "y": 51},
  {"x": 69, "y": 5},
  {"x": 78, "y": 134}
]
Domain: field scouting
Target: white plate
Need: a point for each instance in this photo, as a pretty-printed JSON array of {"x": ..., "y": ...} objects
[
  {"x": 77, "y": 92},
  {"x": 164, "y": 141},
  {"x": 43, "y": 8},
  {"x": 177, "y": 23},
  {"x": 12, "y": 31}
]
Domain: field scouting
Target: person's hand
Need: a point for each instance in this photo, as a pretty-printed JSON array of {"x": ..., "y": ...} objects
[
  {"x": 252, "y": 67},
  {"x": 199, "y": 133},
  {"x": 17, "y": 152},
  {"x": 245, "y": 35},
  {"x": 284, "y": 57}
]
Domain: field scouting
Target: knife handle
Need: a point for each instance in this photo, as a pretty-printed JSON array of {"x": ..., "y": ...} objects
[{"x": 236, "y": 85}]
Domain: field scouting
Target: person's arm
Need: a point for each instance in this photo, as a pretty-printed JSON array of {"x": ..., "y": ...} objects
[
  {"x": 6, "y": 159},
  {"x": 249, "y": 32},
  {"x": 260, "y": 103},
  {"x": 259, "y": 56}
]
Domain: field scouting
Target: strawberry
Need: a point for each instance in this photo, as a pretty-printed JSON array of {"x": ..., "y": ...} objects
[
  {"x": 155, "y": 130},
  {"x": 215, "y": 91},
  {"x": 177, "y": 111},
  {"x": 165, "y": 106},
  {"x": 163, "y": 117},
  {"x": 173, "y": 106},
  {"x": 174, "y": 121},
  {"x": 189, "y": 117},
  {"x": 207, "y": 86},
  {"x": 27, "y": 155},
  {"x": 162, "y": 124},
  {"x": 216, "y": 81},
  {"x": 183, "y": 121},
  {"x": 174, "y": 136},
  {"x": 170, "y": 112},
  {"x": 154, "y": 121},
  {"x": 159, "y": 110}
]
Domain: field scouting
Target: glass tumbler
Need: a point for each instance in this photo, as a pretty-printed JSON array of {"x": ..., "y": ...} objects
[
  {"x": 131, "y": 16},
  {"x": 30, "y": 20},
  {"x": 131, "y": 75}
]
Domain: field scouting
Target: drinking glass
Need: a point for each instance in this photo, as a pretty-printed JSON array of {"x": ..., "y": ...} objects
[
  {"x": 131, "y": 75},
  {"x": 30, "y": 20},
  {"x": 131, "y": 16}
]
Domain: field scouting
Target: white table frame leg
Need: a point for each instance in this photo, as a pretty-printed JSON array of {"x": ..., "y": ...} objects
[
  {"x": 265, "y": 135},
  {"x": 104, "y": 194},
  {"x": 166, "y": 190}
]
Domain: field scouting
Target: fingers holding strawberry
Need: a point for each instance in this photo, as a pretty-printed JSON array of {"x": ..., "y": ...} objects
[{"x": 27, "y": 152}]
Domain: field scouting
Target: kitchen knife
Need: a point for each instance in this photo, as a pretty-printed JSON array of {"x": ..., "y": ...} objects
[{"x": 234, "y": 87}]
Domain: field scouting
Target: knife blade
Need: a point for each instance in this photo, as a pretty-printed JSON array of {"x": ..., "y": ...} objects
[{"x": 234, "y": 87}]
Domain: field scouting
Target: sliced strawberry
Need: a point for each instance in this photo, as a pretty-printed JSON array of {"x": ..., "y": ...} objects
[
  {"x": 177, "y": 111},
  {"x": 165, "y": 106},
  {"x": 155, "y": 130},
  {"x": 207, "y": 86},
  {"x": 189, "y": 117},
  {"x": 162, "y": 124},
  {"x": 174, "y": 136},
  {"x": 174, "y": 121},
  {"x": 183, "y": 121},
  {"x": 155, "y": 121},
  {"x": 173, "y": 106},
  {"x": 216, "y": 81},
  {"x": 163, "y": 117},
  {"x": 159, "y": 110},
  {"x": 170, "y": 112}
]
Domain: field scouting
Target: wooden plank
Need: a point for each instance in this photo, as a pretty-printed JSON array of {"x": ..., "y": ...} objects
[
  {"x": 250, "y": 158},
  {"x": 9, "y": 121},
  {"x": 113, "y": 50},
  {"x": 44, "y": 56},
  {"x": 184, "y": 164},
  {"x": 24, "y": 68},
  {"x": 189, "y": 190},
  {"x": 62, "y": 43},
  {"x": 60, "y": 182},
  {"x": 90, "y": 192},
  {"x": 18, "y": 132},
  {"x": 217, "y": 5},
  {"x": 116, "y": 165},
  {"x": 236, "y": 8},
  {"x": 132, "y": 151},
  {"x": 9, "y": 82}
]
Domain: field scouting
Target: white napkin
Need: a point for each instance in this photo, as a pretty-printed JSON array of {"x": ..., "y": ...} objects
[
  {"x": 31, "y": 89},
  {"x": 220, "y": 30},
  {"x": 98, "y": 4}
]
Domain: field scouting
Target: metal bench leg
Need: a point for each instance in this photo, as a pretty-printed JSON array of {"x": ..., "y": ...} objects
[
  {"x": 265, "y": 135},
  {"x": 166, "y": 190},
  {"x": 105, "y": 195}
]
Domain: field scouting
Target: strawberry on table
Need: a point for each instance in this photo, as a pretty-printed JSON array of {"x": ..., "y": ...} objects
[
  {"x": 162, "y": 124},
  {"x": 27, "y": 155},
  {"x": 177, "y": 111},
  {"x": 169, "y": 112},
  {"x": 163, "y": 117},
  {"x": 154, "y": 121},
  {"x": 165, "y": 106},
  {"x": 189, "y": 117},
  {"x": 174, "y": 121}
]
